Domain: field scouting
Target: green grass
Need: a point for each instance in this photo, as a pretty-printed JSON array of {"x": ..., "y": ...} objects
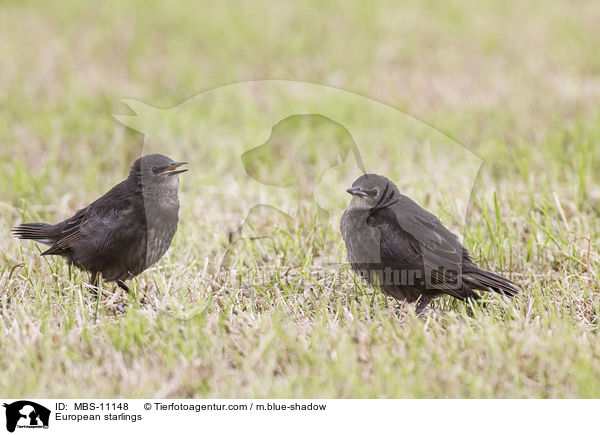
[{"x": 516, "y": 84}]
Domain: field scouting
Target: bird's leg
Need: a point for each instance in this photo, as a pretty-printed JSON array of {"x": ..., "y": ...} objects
[
  {"x": 120, "y": 307},
  {"x": 123, "y": 285},
  {"x": 423, "y": 302},
  {"x": 95, "y": 281}
]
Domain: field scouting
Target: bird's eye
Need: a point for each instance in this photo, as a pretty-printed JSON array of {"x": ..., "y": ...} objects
[
  {"x": 155, "y": 170},
  {"x": 373, "y": 192}
]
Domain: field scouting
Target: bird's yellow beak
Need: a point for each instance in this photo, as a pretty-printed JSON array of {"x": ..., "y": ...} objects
[{"x": 171, "y": 169}]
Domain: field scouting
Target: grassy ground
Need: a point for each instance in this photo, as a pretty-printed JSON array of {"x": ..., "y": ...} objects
[{"x": 518, "y": 85}]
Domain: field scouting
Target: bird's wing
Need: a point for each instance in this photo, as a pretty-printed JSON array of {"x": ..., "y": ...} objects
[
  {"x": 101, "y": 219},
  {"x": 407, "y": 228},
  {"x": 393, "y": 239},
  {"x": 70, "y": 231}
]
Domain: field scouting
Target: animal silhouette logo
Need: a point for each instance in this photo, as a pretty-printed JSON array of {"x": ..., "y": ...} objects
[{"x": 26, "y": 414}]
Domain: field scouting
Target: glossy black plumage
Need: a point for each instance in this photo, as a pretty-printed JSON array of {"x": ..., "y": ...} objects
[
  {"x": 393, "y": 242},
  {"x": 123, "y": 232}
]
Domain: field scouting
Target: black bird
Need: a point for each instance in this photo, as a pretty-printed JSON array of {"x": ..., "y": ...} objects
[
  {"x": 125, "y": 231},
  {"x": 393, "y": 242}
]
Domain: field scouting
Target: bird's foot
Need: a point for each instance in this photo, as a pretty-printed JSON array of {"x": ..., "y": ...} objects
[
  {"x": 120, "y": 308},
  {"x": 422, "y": 304},
  {"x": 95, "y": 291}
]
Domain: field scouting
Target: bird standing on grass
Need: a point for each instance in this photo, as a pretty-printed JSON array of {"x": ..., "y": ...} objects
[
  {"x": 393, "y": 242},
  {"x": 122, "y": 233}
]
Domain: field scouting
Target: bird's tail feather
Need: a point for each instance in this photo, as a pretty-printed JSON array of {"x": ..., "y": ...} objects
[
  {"x": 486, "y": 280},
  {"x": 43, "y": 233}
]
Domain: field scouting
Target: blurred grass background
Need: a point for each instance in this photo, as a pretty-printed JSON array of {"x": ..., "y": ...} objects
[{"x": 516, "y": 83}]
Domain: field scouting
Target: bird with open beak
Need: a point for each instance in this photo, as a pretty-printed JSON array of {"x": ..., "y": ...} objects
[{"x": 125, "y": 231}]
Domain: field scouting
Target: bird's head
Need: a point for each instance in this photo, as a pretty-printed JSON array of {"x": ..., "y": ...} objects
[
  {"x": 372, "y": 191},
  {"x": 157, "y": 171}
]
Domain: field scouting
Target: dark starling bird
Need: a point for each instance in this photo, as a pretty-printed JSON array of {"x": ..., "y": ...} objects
[
  {"x": 125, "y": 231},
  {"x": 393, "y": 242}
]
